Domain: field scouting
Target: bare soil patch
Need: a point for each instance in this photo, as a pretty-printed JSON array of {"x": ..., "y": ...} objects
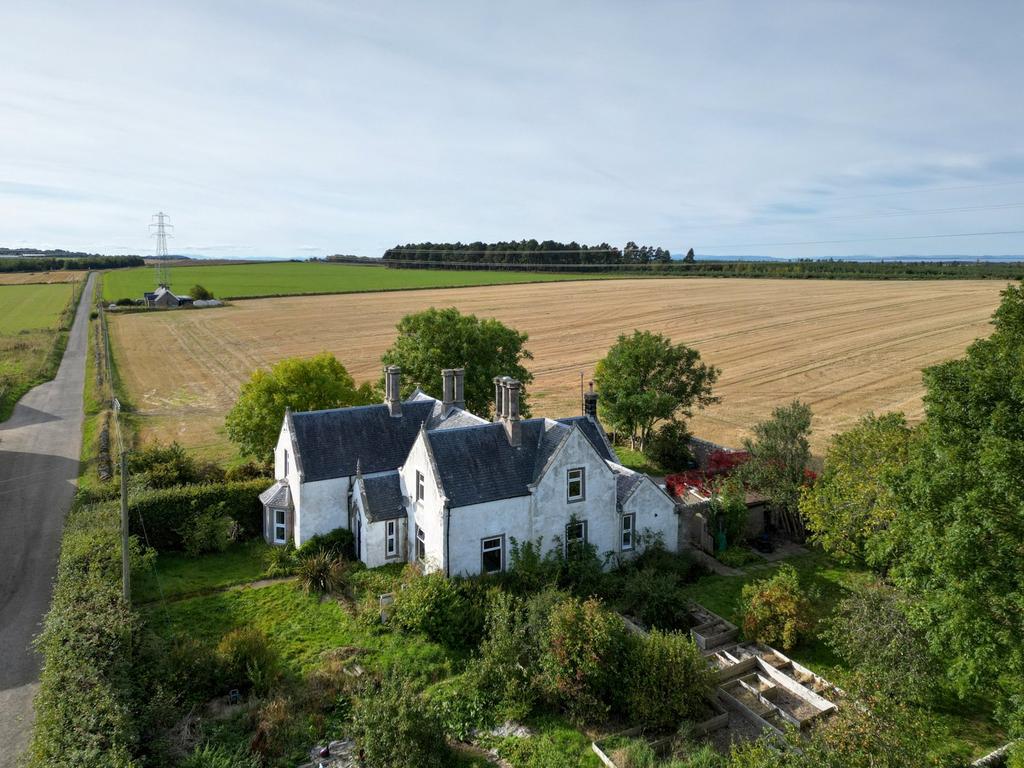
[{"x": 845, "y": 347}]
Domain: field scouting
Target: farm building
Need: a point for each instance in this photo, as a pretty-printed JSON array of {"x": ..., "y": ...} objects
[
  {"x": 426, "y": 480},
  {"x": 163, "y": 298}
]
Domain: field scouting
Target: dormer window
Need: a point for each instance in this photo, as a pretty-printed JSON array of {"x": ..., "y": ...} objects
[{"x": 576, "y": 484}]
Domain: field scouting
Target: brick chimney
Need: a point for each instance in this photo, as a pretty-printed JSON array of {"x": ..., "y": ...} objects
[
  {"x": 590, "y": 403},
  {"x": 392, "y": 389},
  {"x": 447, "y": 389},
  {"x": 499, "y": 398}
]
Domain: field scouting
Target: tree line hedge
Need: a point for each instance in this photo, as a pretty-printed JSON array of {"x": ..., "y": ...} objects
[
  {"x": 9, "y": 262},
  {"x": 527, "y": 252},
  {"x": 165, "y": 512}
]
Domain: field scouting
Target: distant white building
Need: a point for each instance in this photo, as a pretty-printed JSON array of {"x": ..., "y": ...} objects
[{"x": 426, "y": 480}]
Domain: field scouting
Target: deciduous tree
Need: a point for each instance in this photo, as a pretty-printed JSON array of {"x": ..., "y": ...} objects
[{"x": 645, "y": 379}]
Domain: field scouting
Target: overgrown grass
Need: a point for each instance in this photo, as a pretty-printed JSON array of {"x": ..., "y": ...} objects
[
  {"x": 637, "y": 461},
  {"x": 34, "y": 320},
  {"x": 180, "y": 575},
  {"x": 228, "y": 281},
  {"x": 966, "y": 727}
]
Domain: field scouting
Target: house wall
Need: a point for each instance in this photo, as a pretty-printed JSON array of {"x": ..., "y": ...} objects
[
  {"x": 551, "y": 510},
  {"x": 428, "y": 514},
  {"x": 507, "y": 517},
  {"x": 655, "y": 512},
  {"x": 373, "y": 536}
]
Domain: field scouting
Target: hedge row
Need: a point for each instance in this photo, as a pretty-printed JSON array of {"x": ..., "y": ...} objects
[
  {"x": 88, "y": 710},
  {"x": 159, "y": 516}
]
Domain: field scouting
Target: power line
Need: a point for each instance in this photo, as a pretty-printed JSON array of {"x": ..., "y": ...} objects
[
  {"x": 916, "y": 190},
  {"x": 865, "y": 239}
]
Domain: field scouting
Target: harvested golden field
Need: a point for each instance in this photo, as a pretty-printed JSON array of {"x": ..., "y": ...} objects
[
  {"x": 52, "y": 276},
  {"x": 846, "y": 347}
]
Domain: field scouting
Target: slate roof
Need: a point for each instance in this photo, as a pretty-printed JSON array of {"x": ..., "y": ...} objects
[
  {"x": 626, "y": 481},
  {"x": 476, "y": 464},
  {"x": 595, "y": 434},
  {"x": 382, "y": 497},
  {"x": 331, "y": 442},
  {"x": 278, "y": 495}
]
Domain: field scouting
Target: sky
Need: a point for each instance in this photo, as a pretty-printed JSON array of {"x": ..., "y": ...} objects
[{"x": 303, "y": 128}]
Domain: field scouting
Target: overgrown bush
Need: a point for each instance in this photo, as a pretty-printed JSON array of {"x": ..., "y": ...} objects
[
  {"x": 737, "y": 557},
  {"x": 276, "y": 727},
  {"x": 669, "y": 447},
  {"x": 164, "y": 466},
  {"x": 209, "y": 531},
  {"x": 340, "y": 542},
  {"x": 280, "y": 561},
  {"x": 165, "y": 512},
  {"x": 653, "y": 597},
  {"x": 396, "y": 729},
  {"x": 459, "y": 707},
  {"x": 776, "y": 611},
  {"x": 729, "y": 510},
  {"x": 247, "y": 660},
  {"x": 211, "y": 756},
  {"x": 667, "y": 680},
  {"x": 321, "y": 572},
  {"x": 585, "y": 644},
  {"x": 436, "y": 606},
  {"x": 199, "y": 293}
]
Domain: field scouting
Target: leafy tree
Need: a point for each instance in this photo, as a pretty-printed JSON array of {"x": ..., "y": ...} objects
[
  {"x": 779, "y": 454},
  {"x": 670, "y": 446},
  {"x": 776, "y": 610},
  {"x": 199, "y": 293},
  {"x": 435, "y": 339},
  {"x": 850, "y": 507},
  {"x": 396, "y": 729},
  {"x": 645, "y": 379},
  {"x": 690, "y": 258},
  {"x": 667, "y": 680},
  {"x": 960, "y": 518},
  {"x": 871, "y": 630},
  {"x": 254, "y": 422},
  {"x": 729, "y": 509}
]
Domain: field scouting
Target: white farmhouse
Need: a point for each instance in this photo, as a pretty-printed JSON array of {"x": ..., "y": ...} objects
[{"x": 426, "y": 480}]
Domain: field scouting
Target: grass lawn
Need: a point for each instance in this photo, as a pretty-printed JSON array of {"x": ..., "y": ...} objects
[
  {"x": 964, "y": 726},
  {"x": 181, "y": 575},
  {"x": 33, "y": 319},
  {"x": 235, "y": 281},
  {"x": 636, "y": 461}
]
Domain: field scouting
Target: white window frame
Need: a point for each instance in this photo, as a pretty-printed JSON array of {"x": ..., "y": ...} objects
[
  {"x": 568, "y": 540},
  {"x": 500, "y": 549},
  {"x": 627, "y": 532},
  {"x": 581, "y": 477},
  {"x": 421, "y": 544},
  {"x": 282, "y": 526},
  {"x": 420, "y": 487},
  {"x": 391, "y": 538}
]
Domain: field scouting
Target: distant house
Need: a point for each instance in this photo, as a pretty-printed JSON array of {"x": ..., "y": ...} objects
[
  {"x": 162, "y": 297},
  {"x": 424, "y": 480}
]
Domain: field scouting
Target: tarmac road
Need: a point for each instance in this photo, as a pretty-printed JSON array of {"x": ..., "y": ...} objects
[{"x": 39, "y": 450}]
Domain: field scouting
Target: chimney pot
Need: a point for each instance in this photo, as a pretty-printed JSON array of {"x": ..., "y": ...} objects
[
  {"x": 393, "y": 389},
  {"x": 460, "y": 395},
  {"x": 447, "y": 388},
  {"x": 499, "y": 398},
  {"x": 590, "y": 403}
]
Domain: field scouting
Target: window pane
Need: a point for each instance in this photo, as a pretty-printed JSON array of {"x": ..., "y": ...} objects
[{"x": 492, "y": 560}]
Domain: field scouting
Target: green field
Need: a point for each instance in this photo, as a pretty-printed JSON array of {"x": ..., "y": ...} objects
[
  {"x": 33, "y": 322},
  {"x": 32, "y": 307},
  {"x": 235, "y": 281}
]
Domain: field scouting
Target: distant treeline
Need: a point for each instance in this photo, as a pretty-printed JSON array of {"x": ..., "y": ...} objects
[
  {"x": 33, "y": 260},
  {"x": 528, "y": 252},
  {"x": 527, "y": 255}
]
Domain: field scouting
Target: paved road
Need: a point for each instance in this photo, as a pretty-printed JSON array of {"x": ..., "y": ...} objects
[{"x": 39, "y": 450}]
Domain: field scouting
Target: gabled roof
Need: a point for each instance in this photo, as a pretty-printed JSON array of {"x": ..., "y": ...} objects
[
  {"x": 477, "y": 464},
  {"x": 595, "y": 434},
  {"x": 626, "y": 481},
  {"x": 330, "y": 443},
  {"x": 279, "y": 495},
  {"x": 382, "y": 497}
]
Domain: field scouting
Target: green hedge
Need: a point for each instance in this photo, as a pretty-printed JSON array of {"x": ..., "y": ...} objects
[
  {"x": 166, "y": 511},
  {"x": 89, "y": 706}
]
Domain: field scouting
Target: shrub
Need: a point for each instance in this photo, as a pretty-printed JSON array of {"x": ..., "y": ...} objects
[
  {"x": 189, "y": 666},
  {"x": 276, "y": 727},
  {"x": 529, "y": 570},
  {"x": 339, "y": 542},
  {"x": 199, "y": 293},
  {"x": 669, "y": 447},
  {"x": 776, "y": 610},
  {"x": 165, "y": 512},
  {"x": 209, "y": 531},
  {"x": 653, "y": 597},
  {"x": 210, "y": 756},
  {"x": 729, "y": 510},
  {"x": 164, "y": 466},
  {"x": 584, "y": 647},
  {"x": 435, "y": 606},
  {"x": 737, "y": 557},
  {"x": 667, "y": 680},
  {"x": 322, "y": 572},
  {"x": 396, "y": 730},
  {"x": 247, "y": 660},
  {"x": 636, "y": 753},
  {"x": 280, "y": 561},
  {"x": 459, "y": 707},
  {"x": 508, "y": 665},
  {"x": 125, "y": 302},
  {"x": 250, "y": 470},
  {"x": 1015, "y": 756}
]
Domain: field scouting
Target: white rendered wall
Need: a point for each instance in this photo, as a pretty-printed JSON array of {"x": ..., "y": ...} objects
[
  {"x": 428, "y": 513},
  {"x": 470, "y": 525},
  {"x": 655, "y": 512},
  {"x": 324, "y": 508}
]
